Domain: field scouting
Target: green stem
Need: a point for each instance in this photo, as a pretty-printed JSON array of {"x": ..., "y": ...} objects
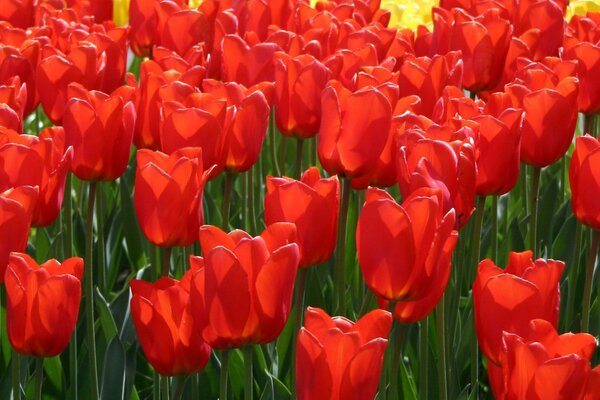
[
  {"x": 155, "y": 261},
  {"x": 16, "y": 375},
  {"x": 223, "y": 375},
  {"x": 476, "y": 240},
  {"x": 589, "y": 124},
  {"x": 341, "y": 248},
  {"x": 251, "y": 215},
  {"x": 166, "y": 267},
  {"x": 441, "y": 339},
  {"x": 179, "y": 386},
  {"x": 506, "y": 230},
  {"x": 572, "y": 280},
  {"x": 313, "y": 151},
  {"x": 156, "y": 385},
  {"x": 89, "y": 291},
  {"x": 164, "y": 387},
  {"x": 73, "y": 363},
  {"x": 100, "y": 233},
  {"x": 227, "y": 199},
  {"x": 68, "y": 251},
  {"x": 272, "y": 148},
  {"x": 248, "y": 379},
  {"x": 563, "y": 179},
  {"x": 495, "y": 228},
  {"x": 298, "y": 165},
  {"x": 195, "y": 387},
  {"x": 39, "y": 377},
  {"x": 523, "y": 184},
  {"x": 535, "y": 182},
  {"x": 589, "y": 275},
  {"x": 395, "y": 378},
  {"x": 423, "y": 358},
  {"x": 299, "y": 305}
]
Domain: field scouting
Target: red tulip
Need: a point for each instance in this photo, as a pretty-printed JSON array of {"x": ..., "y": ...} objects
[
  {"x": 404, "y": 250},
  {"x": 245, "y": 125},
  {"x": 198, "y": 121},
  {"x": 243, "y": 295},
  {"x": 427, "y": 77},
  {"x": 18, "y": 12},
  {"x": 581, "y": 43},
  {"x": 21, "y": 60},
  {"x": 312, "y": 204},
  {"x": 13, "y": 98},
  {"x": 545, "y": 17},
  {"x": 99, "y": 126},
  {"x": 355, "y": 131},
  {"x": 113, "y": 43},
  {"x": 247, "y": 65},
  {"x": 339, "y": 359},
  {"x": 583, "y": 172},
  {"x": 182, "y": 30},
  {"x": 163, "y": 321},
  {"x": 498, "y": 145},
  {"x": 42, "y": 304},
  {"x": 540, "y": 364},
  {"x": 31, "y": 161},
  {"x": 168, "y": 195},
  {"x": 550, "y": 106},
  {"x": 506, "y": 300},
  {"x": 448, "y": 166},
  {"x": 16, "y": 209},
  {"x": 299, "y": 83}
]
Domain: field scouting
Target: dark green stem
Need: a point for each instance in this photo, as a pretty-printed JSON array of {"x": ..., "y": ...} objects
[
  {"x": 495, "y": 228},
  {"x": 589, "y": 275},
  {"x": 68, "y": 251},
  {"x": 164, "y": 387},
  {"x": 589, "y": 125},
  {"x": 273, "y": 151},
  {"x": 100, "y": 233},
  {"x": 251, "y": 215},
  {"x": 248, "y": 379},
  {"x": 441, "y": 341},
  {"x": 299, "y": 306},
  {"x": 89, "y": 292},
  {"x": 282, "y": 154},
  {"x": 166, "y": 267},
  {"x": 39, "y": 377},
  {"x": 341, "y": 248},
  {"x": 476, "y": 251},
  {"x": 179, "y": 386},
  {"x": 156, "y": 385},
  {"x": 395, "y": 378},
  {"x": 535, "y": 183},
  {"x": 16, "y": 375},
  {"x": 227, "y": 199},
  {"x": 572, "y": 280},
  {"x": 423, "y": 358},
  {"x": 223, "y": 376},
  {"x": 298, "y": 165}
]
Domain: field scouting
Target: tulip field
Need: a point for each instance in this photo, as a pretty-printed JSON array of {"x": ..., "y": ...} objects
[{"x": 299, "y": 199}]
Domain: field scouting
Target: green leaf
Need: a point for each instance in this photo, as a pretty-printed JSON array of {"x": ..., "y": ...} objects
[
  {"x": 113, "y": 376},
  {"x": 106, "y": 319}
]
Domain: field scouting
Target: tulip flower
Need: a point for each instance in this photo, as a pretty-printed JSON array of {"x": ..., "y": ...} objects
[
  {"x": 583, "y": 172},
  {"x": 36, "y": 161},
  {"x": 355, "y": 131},
  {"x": 100, "y": 127},
  {"x": 42, "y": 304},
  {"x": 299, "y": 82},
  {"x": 581, "y": 43},
  {"x": 404, "y": 250},
  {"x": 247, "y": 65},
  {"x": 550, "y": 106},
  {"x": 165, "y": 327},
  {"x": 540, "y": 364},
  {"x": 498, "y": 146},
  {"x": 22, "y": 61},
  {"x": 16, "y": 209},
  {"x": 545, "y": 17},
  {"x": 427, "y": 77},
  {"x": 168, "y": 195},
  {"x": 339, "y": 359},
  {"x": 312, "y": 204},
  {"x": 449, "y": 166},
  {"x": 13, "y": 99},
  {"x": 243, "y": 295},
  {"x": 18, "y": 12},
  {"x": 506, "y": 300}
]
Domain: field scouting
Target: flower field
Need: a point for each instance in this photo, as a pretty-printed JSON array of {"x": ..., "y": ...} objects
[{"x": 294, "y": 199}]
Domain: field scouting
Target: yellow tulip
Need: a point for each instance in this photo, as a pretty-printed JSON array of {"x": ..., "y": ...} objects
[
  {"x": 581, "y": 7},
  {"x": 121, "y": 12}
]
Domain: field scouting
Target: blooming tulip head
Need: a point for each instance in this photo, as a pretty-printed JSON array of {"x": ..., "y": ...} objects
[
  {"x": 16, "y": 210},
  {"x": 506, "y": 300},
  {"x": 165, "y": 327},
  {"x": 243, "y": 294},
  {"x": 299, "y": 83},
  {"x": 36, "y": 161},
  {"x": 42, "y": 304},
  {"x": 338, "y": 359},
  {"x": 355, "y": 131},
  {"x": 100, "y": 127},
  {"x": 583, "y": 177},
  {"x": 312, "y": 204},
  {"x": 168, "y": 195},
  {"x": 540, "y": 364},
  {"x": 404, "y": 250}
]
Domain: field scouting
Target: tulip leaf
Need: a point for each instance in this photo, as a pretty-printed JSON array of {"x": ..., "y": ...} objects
[
  {"x": 132, "y": 231},
  {"x": 53, "y": 372},
  {"x": 109, "y": 327},
  {"x": 113, "y": 377}
]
